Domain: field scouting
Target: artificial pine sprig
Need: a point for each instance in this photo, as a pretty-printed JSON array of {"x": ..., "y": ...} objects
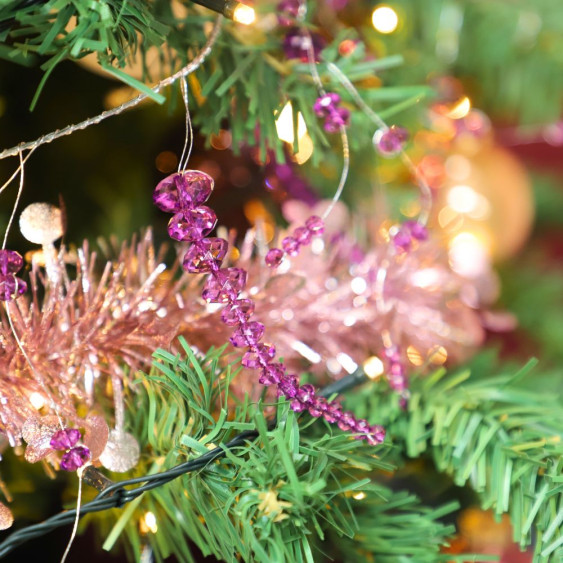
[
  {"x": 495, "y": 434},
  {"x": 277, "y": 498}
]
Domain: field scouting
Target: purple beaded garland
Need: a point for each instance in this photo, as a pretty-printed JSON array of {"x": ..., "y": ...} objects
[
  {"x": 10, "y": 285},
  {"x": 181, "y": 194},
  {"x": 390, "y": 142},
  {"x": 75, "y": 458},
  {"x": 302, "y": 236}
]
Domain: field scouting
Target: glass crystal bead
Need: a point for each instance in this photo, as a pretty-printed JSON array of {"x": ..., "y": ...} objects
[
  {"x": 390, "y": 142},
  {"x": 291, "y": 246},
  {"x": 274, "y": 257},
  {"x": 193, "y": 224},
  {"x": 315, "y": 224},
  {"x": 259, "y": 356},
  {"x": 65, "y": 439},
  {"x": 205, "y": 255},
  {"x": 237, "y": 312},
  {"x": 302, "y": 235},
  {"x": 224, "y": 285},
  {"x": 75, "y": 458},
  {"x": 247, "y": 335},
  {"x": 182, "y": 190},
  {"x": 10, "y": 262},
  {"x": 11, "y": 287}
]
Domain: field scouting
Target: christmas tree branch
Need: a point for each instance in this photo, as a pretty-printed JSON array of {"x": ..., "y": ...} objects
[
  {"x": 185, "y": 71},
  {"x": 116, "y": 495},
  {"x": 500, "y": 437}
]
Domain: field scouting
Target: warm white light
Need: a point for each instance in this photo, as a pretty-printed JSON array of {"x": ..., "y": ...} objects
[
  {"x": 358, "y": 285},
  {"x": 385, "y": 19},
  {"x": 306, "y": 351},
  {"x": 284, "y": 125},
  {"x": 305, "y": 150},
  {"x": 359, "y": 496},
  {"x": 426, "y": 278},
  {"x": 150, "y": 522},
  {"x": 468, "y": 255},
  {"x": 37, "y": 400},
  {"x": 461, "y": 109},
  {"x": 347, "y": 362},
  {"x": 463, "y": 199},
  {"x": 373, "y": 367},
  {"x": 244, "y": 14}
]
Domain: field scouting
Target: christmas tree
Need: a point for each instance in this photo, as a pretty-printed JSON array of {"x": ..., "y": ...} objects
[{"x": 320, "y": 342}]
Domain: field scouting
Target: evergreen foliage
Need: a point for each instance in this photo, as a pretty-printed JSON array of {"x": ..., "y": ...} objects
[{"x": 300, "y": 491}]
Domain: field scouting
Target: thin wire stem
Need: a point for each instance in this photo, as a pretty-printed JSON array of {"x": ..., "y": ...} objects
[
  {"x": 75, "y": 527},
  {"x": 425, "y": 190},
  {"x": 189, "y": 140},
  {"x": 16, "y": 202},
  {"x": 70, "y": 129},
  {"x": 342, "y": 129}
]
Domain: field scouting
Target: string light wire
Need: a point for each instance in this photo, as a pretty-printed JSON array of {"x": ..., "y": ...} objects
[{"x": 116, "y": 495}]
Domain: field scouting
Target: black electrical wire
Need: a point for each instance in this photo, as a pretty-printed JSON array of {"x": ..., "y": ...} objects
[{"x": 115, "y": 495}]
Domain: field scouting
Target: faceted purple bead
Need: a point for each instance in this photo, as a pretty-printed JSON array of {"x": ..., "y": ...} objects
[
  {"x": 11, "y": 287},
  {"x": 390, "y": 142},
  {"x": 346, "y": 421},
  {"x": 258, "y": 356},
  {"x": 318, "y": 407},
  {"x": 224, "y": 286},
  {"x": 274, "y": 257},
  {"x": 65, "y": 439},
  {"x": 287, "y": 11},
  {"x": 182, "y": 190},
  {"x": 392, "y": 352},
  {"x": 272, "y": 373},
  {"x": 402, "y": 241},
  {"x": 417, "y": 230},
  {"x": 205, "y": 255},
  {"x": 306, "y": 394},
  {"x": 192, "y": 224},
  {"x": 302, "y": 235},
  {"x": 297, "y": 406},
  {"x": 315, "y": 224},
  {"x": 333, "y": 412},
  {"x": 291, "y": 246},
  {"x": 324, "y": 104},
  {"x": 361, "y": 425},
  {"x": 288, "y": 386},
  {"x": 10, "y": 262},
  {"x": 237, "y": 312},
  {"x": 296, "y": 45},
  {"x": 75, "y": 458},
  {"x": 247, "y": 335},
  {"x": 376, "y": 435},
  {"x": 336, "y": 119}
]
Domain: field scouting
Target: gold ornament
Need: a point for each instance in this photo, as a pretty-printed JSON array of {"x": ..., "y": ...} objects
[{"x": 485, "y": 207}]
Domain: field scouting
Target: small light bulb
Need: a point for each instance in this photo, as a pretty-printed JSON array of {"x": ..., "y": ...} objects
[
  {"x": 360, "y": 496},
  {"x": 37, "y": 400},
  {"x": 284, "y": 125},
  {"x": 385, "y": 19},
  {"x": 244, "y": 14},
  {"x": 460, "y": 109},
  {"x": 150, "y": 522},
  {"x": 373, "y": 367}
]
